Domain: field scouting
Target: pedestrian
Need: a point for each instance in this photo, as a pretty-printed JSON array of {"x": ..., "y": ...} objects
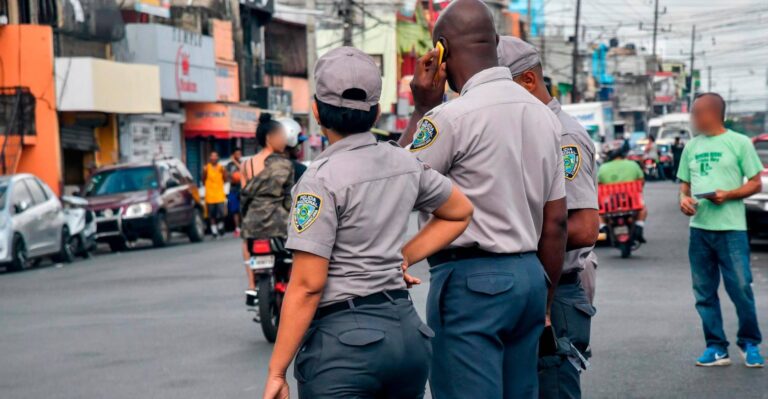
[
  {"x": 233, "y": 197},
  {"x": 571, "y": 308},
  {"x": 677, "y": 153},
  {"x": 214, "y": 176},
  {"x": 348, "y": 223},
  {"x": 265, "y": 196},
  {"x": 488, "y": 297},
  {"x": 713, "y": 169}
]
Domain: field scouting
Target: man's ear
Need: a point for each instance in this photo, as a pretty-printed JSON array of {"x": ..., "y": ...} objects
[{"x": 528, "y": 80}]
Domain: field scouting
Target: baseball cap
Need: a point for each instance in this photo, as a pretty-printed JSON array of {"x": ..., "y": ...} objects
[
  {"x": 517, "y": 55},
  {"x": 347, "y": 77}
]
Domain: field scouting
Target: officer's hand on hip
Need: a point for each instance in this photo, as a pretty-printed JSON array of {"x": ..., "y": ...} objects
[
  {"x": 428, "y": 84},
  {"x": 277, "y": 388},
  {"x": 410, "y": 281}
]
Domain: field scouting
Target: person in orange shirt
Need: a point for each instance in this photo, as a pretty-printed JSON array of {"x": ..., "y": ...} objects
[{"x": 214, "y": 176}]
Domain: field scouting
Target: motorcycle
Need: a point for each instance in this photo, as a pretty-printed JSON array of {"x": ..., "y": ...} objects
[
  {"x": 81, "y": 223},
  {"x": 620, "y": 205},
  {"x": 270, "y": 264}
]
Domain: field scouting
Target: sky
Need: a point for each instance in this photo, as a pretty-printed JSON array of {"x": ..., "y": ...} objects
[{"x": 732, "y": 38}]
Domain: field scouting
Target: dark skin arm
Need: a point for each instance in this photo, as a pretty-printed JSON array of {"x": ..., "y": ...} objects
[
  {"x": 427, "y": 91},
  {"x": 583, "y": 228},
  {"x": 751, "y": 187},
  {"x": 554, "y": 235}
]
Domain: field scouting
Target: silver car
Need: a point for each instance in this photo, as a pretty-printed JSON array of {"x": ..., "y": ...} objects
[{"x": 32, "y": 223}]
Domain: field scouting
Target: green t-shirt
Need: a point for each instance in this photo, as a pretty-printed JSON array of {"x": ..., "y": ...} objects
[
  {"x": 619, "y": 171},
  {"x": 719, "y": 163}
]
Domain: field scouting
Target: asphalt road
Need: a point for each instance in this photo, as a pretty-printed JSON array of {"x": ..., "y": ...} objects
[{"x": 171, "y": 323}]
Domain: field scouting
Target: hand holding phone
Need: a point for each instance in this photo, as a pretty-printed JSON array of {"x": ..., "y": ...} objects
[{"x": 707, "y": 195}]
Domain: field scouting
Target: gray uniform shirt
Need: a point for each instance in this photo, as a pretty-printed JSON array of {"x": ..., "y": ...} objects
[
  {"x": 501, "y": 146},
  {"x": 352, "y": 207},
  {"x": 580, "y": 175}
]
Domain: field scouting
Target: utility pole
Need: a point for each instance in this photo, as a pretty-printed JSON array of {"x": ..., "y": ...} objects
[
  {"x": 655, "y": 26},
  {"x": 693, "y": 59},
  {"x": 348, "y": 21},
  {"x": 529, "y": 21},
  {"x": 311, "y": 59},
  {"x": 575, "y": 60},
  {"x": 709, "y": 81}
]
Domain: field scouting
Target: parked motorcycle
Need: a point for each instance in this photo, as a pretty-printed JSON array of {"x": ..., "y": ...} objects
[
  {"x": 620, "y": 205},
  {"x": 271, "y": 265},
  {"x": 81, "y": 224}
]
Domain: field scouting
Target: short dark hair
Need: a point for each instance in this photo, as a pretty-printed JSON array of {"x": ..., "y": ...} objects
[
  {"x": 719, "y": 98},
  {"x": 266, "y": 126},
  {"x": 237, "y": 149},
  {"x": 344, "y": 120}
]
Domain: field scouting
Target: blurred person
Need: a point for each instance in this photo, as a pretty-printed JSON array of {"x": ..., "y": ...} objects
[
  {"x": 571, "y": 312},
  {"x": 347, "y": 312},
  {"x": 294, "y": 138},
  {"x": 621, "y": 170},
  {"x": 651, "y": 151},
  {"x": 677, "y": 153},
  {"x": 718, "y": 169},
  {"x": 214, "y": 176},
  {"x": 265, "y": 197},
  {"x": 233, "y": 198}
]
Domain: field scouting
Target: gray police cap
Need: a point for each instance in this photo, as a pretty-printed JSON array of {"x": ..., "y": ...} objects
[
  {"x": 345, "y": 68},
  {"x": 517, "y": 55}
]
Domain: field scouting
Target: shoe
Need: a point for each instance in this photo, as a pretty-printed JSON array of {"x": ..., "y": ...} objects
[
  {"x": 752, "y": 357},
  {"x": 639, "y": 234},
  {"x": 713, "y": 357},
  {"x": 250, "y": 297}
]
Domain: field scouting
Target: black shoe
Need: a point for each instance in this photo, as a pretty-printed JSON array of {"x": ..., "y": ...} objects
[{"x": 639, "y": 234}]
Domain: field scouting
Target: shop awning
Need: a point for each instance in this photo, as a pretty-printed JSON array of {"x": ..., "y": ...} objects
[
  {"x": 92, "y": 84},
  {"x": 221, "y": 121}
]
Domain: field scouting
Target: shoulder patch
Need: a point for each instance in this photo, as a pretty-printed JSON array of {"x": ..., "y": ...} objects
[
  {"x": 306, "y": 210},
  {"x": 571, "y": 160},
  {"x": 425, "y": 135}
]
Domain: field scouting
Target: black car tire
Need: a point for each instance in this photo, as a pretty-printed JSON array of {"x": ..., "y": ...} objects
[
  {"x": 19, "y": 258},
  {"x": 626, "y": 250},
  {"x": 65, "y": 255},
  {"x": 196, "y": 229},
  {"x": 161, "y": 233},
  {"x": 117, "y": 244}
]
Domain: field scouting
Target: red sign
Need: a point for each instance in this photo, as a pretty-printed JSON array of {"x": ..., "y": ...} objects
[{"x": 183, "y": 83}]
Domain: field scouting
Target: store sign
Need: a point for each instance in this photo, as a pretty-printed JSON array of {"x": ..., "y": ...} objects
[
  {"x": 159, "y": 8},
  {"x": 150, "y": 140},
  {"x": 221, "y": 120},
  {"x": 186, "y": 60},
  {"x": 227, "y": 82}
]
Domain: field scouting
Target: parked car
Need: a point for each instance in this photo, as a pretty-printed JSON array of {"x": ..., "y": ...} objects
[
  {"x": 757, "y": 205},
  {"x": 32, "y": 224},
  {"x": 145, "y": 200}
]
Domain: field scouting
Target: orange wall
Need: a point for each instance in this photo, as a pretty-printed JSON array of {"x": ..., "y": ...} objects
[
  {"x": 31, "y": 47},
  {"x": 300, "y": 97}
]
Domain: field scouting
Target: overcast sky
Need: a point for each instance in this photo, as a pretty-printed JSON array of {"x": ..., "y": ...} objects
[{"x": 733, "y": 34}]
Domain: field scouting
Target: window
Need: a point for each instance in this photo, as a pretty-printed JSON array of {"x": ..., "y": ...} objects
[
  {"x": 38, "y": 195},
  {"x": 117, "y": 181},
  {"x": 20, "y": 195}
]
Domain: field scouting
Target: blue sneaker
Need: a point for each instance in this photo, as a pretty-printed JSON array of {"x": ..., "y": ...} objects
[
  {"x": 752, "y": 357},
  {"x": 714, "y": 357}
]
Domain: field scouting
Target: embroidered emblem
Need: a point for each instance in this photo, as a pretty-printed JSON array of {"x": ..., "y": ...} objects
[
  {"x": 425, "y": 135},
  {"x": 571, "y": 161},
  {"x": 306, "y": 211}
]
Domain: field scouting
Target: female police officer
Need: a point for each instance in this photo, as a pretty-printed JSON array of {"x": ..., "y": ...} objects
[{"x": 348, "y": 224}]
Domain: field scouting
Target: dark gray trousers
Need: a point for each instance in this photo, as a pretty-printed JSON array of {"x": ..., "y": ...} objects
[
  {"x": 488, "y": 314},
  {"x": 571, "y": 316},
  {"x": 372, "y": 351}
]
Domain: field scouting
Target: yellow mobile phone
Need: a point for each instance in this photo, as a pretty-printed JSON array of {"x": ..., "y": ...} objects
[{"x": 440, "y": 52}]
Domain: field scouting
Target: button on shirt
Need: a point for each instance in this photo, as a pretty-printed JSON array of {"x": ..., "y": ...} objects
[
  {"x": 501, "y": 147},
  {"x": 352, "y": 207},
  {"x": 580, "y": 177}
]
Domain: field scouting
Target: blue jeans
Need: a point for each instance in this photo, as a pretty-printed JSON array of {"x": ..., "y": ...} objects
[{"x": 727, "y": 252}]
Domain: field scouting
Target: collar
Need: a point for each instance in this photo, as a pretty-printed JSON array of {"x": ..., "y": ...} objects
[
  {"x": 486, "y": 76},
  {"x": 555, "y": 106},
  {"x": 351, "y": 142}
]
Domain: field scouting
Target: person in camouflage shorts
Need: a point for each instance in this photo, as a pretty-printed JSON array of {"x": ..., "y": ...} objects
[{"x": 266, "y": 200}]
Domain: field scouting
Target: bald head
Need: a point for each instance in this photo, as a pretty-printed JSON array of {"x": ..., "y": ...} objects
[
  {"x": 708, "y": 113},
  {"x": 466, "y": 29}
]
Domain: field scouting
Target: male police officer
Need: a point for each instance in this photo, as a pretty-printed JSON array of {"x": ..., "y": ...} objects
[
  {"x": 488, "y": 298},
  {"x": 559, "y": 378}
]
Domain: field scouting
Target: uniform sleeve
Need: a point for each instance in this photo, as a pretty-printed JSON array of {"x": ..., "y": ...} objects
[
  {"x": 558, "y": 183},
  {"x": 749, "y": 161},
  {"x": 580, "y": 183},
  {"x": 683, "y": 171},
  {"x": 434, "y": 141},
  {"x": 313, "y": 221},
  {"x": 434, "y": 190}
]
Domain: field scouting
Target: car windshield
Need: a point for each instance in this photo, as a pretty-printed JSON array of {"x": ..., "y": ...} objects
[
  {"x": 684, "y": 134},
  {"x": 3, "y": 190},
  {"x": 122, "y": 181}
]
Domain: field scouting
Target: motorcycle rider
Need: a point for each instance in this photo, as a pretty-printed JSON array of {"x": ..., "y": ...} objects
[
  {"x": 293, "y": 147},
  {"x": 620, "y": 170}
]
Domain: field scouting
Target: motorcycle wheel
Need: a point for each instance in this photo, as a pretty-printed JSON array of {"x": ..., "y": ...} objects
[
  {"x": 269, "y": 314},
  {"x": 626, "y": 250}
]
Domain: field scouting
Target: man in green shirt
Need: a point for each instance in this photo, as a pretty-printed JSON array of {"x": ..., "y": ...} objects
[
  {"x": 620, "y": 170},
  {"x": 713, "y": 169}
]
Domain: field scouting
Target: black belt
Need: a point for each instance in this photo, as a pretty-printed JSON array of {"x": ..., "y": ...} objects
[
  {"x": 569, "y": 278},
  {"x": 455, "y": 254},
  {"x": 373, "y": 299}
]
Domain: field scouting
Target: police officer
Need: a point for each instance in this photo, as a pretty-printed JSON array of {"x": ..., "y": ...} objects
[
  {"x": 571, "y": 310},
  {"x": 488, "y": 295},
  {"x": 348, "y": 224}
]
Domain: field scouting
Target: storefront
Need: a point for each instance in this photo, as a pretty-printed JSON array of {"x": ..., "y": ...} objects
[{"x": 218, "y": 127}]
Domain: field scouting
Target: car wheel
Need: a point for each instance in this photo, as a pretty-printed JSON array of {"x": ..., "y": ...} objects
[
  {"x": 196, "y": 230},
  {"x": 66, "y": 253},
  {"x": 19, "y": 259},
  {"x": 161, "y": 233},
  {"x": 117, "y": 244}
]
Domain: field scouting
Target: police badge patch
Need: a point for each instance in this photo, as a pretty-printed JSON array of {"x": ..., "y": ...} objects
[
  {"x": 571, "y": 161},
  {"x": 305, "y": 211},
  {"x": 425, "y": 135}
]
